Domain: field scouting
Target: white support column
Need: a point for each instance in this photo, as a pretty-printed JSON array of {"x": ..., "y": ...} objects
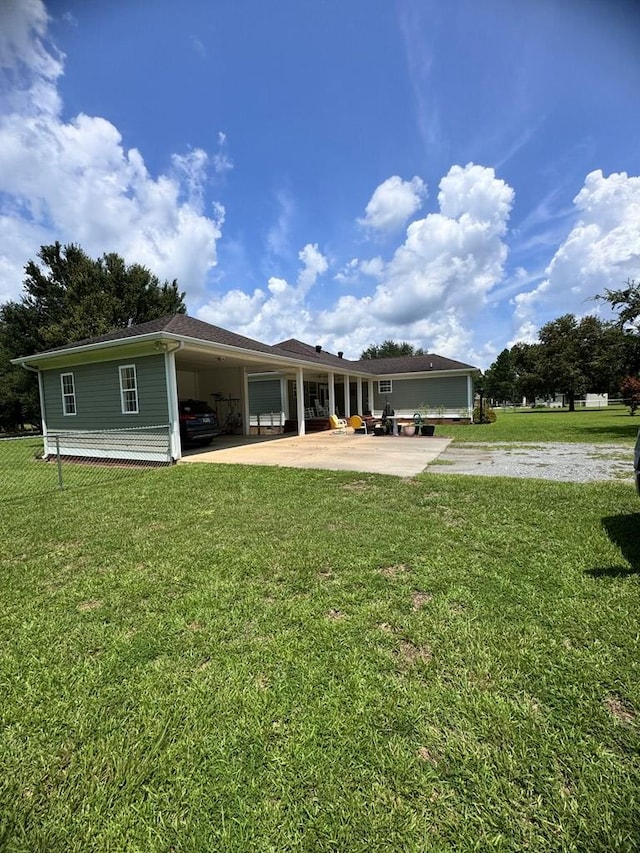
[
  {"x": 284, "y": 397},
  {"x": 359, "y": 396},
  {"x": 332, "y": 394},
  {"x": 172, "y": 400},
  {"x": 470, "y": 395},
  {"x": 246, "y": 409},
  {"x": 347, "y": 405},
  {"x": 370, "y": 384},
  {"x": 300, "y": 400}
]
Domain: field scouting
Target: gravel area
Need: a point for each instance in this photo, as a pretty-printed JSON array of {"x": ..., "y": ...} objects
[{"x": 578, "y": 463}]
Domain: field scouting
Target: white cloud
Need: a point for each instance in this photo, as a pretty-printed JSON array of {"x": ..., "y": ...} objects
[
  {"x": 450, "y": 259},
  {"x": 352, "y": 271},
  {"x": 76, "y": 182},
  {"x": 429, "y": 293},
  {"x": 280, "y": 314},
  {"x": 601, "y": 251},
  {"x": 314, "y": 264},
  {"x": 393, "y": 202}
]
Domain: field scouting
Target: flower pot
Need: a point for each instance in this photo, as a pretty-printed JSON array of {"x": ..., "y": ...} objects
[
  {"x": 408, "y": 429},
  {"x": 379, "y": 430},
  {"x": 427, "y": 429}
]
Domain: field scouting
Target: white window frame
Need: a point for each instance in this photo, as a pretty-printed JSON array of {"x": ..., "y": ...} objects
[
  {"x": 68, "y": 396},
  {"x": 128, "y": 390},
  {"x": 388, "y": 383}
]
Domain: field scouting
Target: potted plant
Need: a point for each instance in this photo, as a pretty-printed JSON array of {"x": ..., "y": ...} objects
[{"x": 425, "y": 428}]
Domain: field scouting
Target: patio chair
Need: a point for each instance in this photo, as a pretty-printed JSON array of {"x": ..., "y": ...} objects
[
  {"x": 337, "y": 423},
  {"x": 359, "y": 424}
]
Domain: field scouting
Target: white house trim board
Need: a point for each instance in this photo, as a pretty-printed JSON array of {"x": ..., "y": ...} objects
[
  {"x": 172, "y": 404},
  {"x": 347, "y": 402},
  {"x": 332, "y": 393},
  {"x": 246, "y": 414},
  {"x": 300, "y": 400}
]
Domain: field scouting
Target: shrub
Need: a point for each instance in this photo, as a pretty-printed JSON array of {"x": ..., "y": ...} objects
[
  {"x": 488, "y": 415},
  {"x": 630, "y": 390}
]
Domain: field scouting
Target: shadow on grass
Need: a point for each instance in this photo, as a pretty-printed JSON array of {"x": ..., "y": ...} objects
[
  {"x": 623, "y": 531},
  {"x": 621, "y": 430}
]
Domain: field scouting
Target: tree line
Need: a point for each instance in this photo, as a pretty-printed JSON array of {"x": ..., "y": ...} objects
[{"x": 574, "y": 357}]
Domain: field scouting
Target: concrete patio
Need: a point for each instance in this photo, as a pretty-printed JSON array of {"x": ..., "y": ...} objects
[{"x": 334, "y": 451}]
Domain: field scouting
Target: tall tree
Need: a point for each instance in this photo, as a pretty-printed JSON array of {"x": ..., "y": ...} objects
[
  {"x": 577, "y": 356},
  {"x": 626, "y": 301},
  {"x": 525, "y": 359},
  {"x": 500, "y": 379},
  {"x": 67, "y": 297},
  {"x": 390, "y": 349}
]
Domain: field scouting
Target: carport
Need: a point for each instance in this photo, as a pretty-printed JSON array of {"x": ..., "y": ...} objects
[{"x": 218, "y": 369}]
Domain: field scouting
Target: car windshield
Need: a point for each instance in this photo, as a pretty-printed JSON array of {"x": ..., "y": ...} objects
[{"x": 195, "y": 407}]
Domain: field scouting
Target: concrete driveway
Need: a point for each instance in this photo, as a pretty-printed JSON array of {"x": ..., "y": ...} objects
[{"x": 333, "y": 451}]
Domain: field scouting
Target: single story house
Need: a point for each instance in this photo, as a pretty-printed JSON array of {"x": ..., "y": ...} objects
[{"x": 116, "y": 396}]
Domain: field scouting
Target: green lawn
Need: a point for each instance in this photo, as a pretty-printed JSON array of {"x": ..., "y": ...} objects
[
  {"x": 604, "y": 426},
  {"x": 251, "y": 659}
]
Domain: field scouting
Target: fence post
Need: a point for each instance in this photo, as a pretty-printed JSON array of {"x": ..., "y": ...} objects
[{"x": 59, "y": 462}]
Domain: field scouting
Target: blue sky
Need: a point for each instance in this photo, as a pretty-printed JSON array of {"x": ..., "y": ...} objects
[{"x": 342, "y": 171}]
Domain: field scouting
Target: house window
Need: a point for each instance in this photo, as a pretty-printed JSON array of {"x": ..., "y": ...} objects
[
  {"x": 128, "y": 389},
  {"x": 385, "y": 386},
  {"x": 68, "y": 394}
]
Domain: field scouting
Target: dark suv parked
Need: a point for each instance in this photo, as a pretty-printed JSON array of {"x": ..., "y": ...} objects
[
  {"x": 198, "y": 422},
  {"x": 636, "y": 462}
]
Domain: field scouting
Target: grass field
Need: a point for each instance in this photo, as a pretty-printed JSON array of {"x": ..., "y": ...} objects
[
  {"x": 602, "y": 426},
  {"x": 253, "y": 659}
]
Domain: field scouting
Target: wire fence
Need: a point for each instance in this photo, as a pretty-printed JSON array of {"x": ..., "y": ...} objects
[{"x": 74, "y": 460}]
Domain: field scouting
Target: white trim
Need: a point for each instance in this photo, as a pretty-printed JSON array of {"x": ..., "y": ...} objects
[
  {"x": 332, "y": 392},
  {"x": 68, "y": 395},
  {"x": 43, "y": 413},
  {"x": 299, "y": 390},
  {"x": 123, "y": 390},
  {"x": 171, "y": 381},
  {"x": 347, "y": 396},
  {"x": 244, "y": 402}
]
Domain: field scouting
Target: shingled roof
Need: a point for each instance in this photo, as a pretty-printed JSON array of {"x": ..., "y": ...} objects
[
  {"x": 189, "y": 327},
  {"x": 182, "y": 325},
  {"x": 410, "y": 364}
]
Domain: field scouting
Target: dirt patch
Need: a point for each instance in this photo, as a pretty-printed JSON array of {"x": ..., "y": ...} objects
[
  {"x": 89, "y": 605},
  {"x": 394, "y": 571},
  {"x": 335, "y": 614},
  {"x": 357, "y": 486},
  {"x": 425, "y": 754},
  {"x": 622, "y": 710},
  {"x": 419, "y": 599},
  {"x": 410, "y": 653}
]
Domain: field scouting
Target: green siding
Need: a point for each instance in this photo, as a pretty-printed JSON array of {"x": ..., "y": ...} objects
[
  {"x": 264, "y": 396},
  {"x": 448, "y": 392},
  {"x": 98, "y": 403}
]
